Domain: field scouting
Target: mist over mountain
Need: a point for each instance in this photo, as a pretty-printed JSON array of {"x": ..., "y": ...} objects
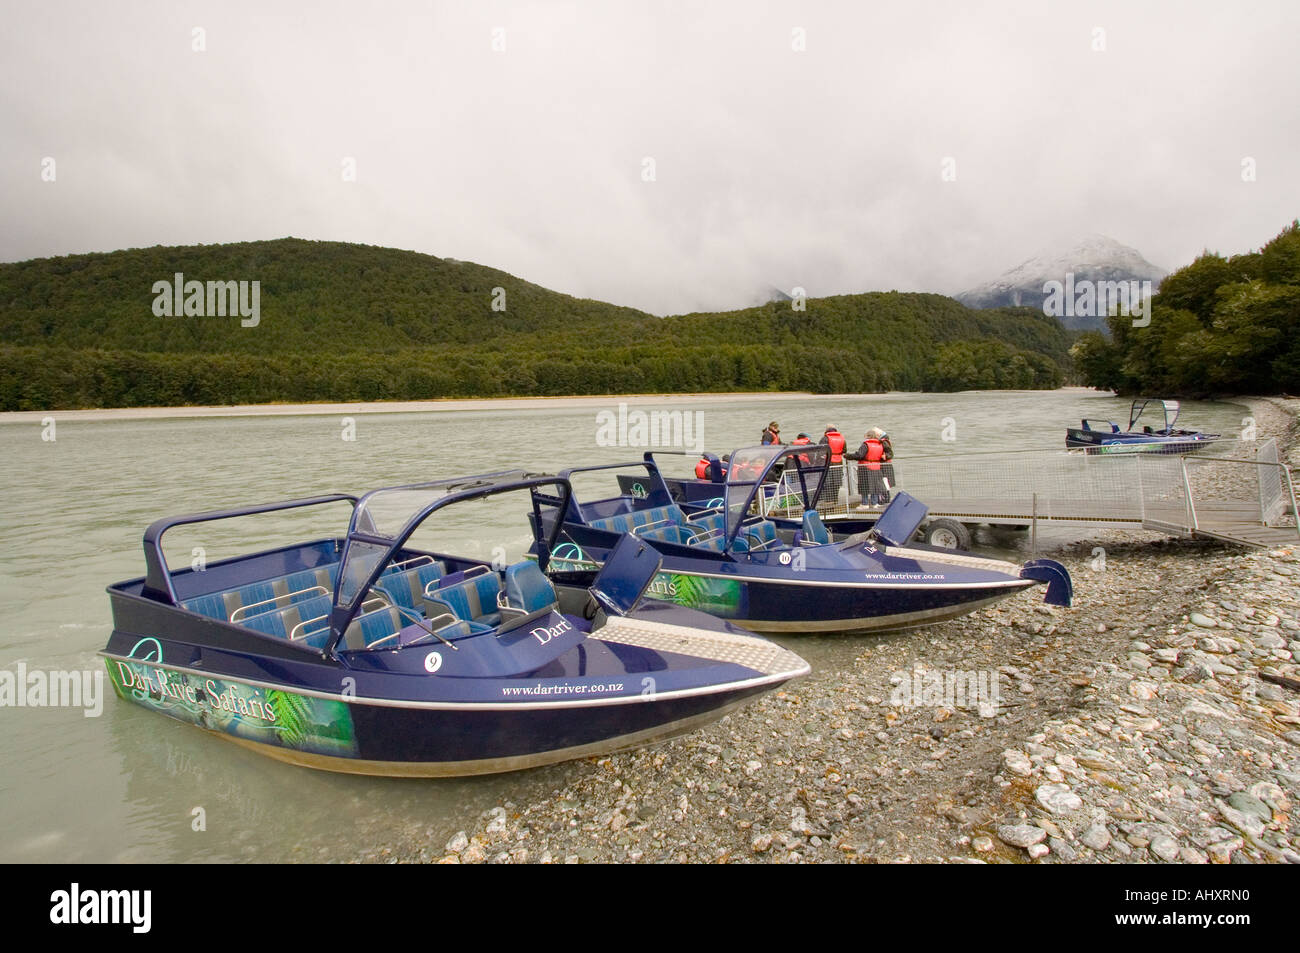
[{"x": 1097, "y": 258}]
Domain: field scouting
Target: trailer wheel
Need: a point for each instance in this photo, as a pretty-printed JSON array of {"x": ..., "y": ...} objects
[{"x": 946, "y": 533}]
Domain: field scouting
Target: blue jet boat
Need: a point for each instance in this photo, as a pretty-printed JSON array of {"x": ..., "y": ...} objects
[
  {"x": 367, "y": 654},
  {"x": 739, "y": 563},
  {"x": 1110, "y": 439}
]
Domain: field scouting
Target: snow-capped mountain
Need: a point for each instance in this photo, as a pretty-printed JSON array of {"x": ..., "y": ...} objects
[{"x": 1095, "y": 259}]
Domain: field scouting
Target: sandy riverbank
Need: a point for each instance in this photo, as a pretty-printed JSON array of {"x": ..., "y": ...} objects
[
  {"x": 388, "y": 407},
  {"x": 1135, "y": 726},
  {"x": 427, "y": 406}
]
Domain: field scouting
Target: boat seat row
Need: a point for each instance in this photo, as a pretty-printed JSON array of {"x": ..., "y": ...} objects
[
  {"x": 404, "y": 584},
  {"x": 407, "y": 587},
  {"x": 470, "y": 596},
  {"x": 307, "y": 623},
  {"x": 757, "y": 535},
  {"x": 653, "y": 518},
  {"x": 473, "y": 598},
  {"x": 668, "y": 523},
  {"x": 266, "y": 596}
]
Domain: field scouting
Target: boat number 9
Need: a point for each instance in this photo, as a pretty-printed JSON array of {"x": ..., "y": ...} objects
[
  {"x": 785, "y": 559},
  {"x": 432, "y": 662}
]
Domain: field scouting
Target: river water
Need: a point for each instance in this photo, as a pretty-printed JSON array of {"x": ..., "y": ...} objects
[{"x": 130, "y": 785}]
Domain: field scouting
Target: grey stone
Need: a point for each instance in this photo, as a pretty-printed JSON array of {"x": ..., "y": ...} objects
[
  {"x": 1017, "y": 762},
  {"x": 1062, "y": 849},
  {"x": 1249, "y": 804},
  {"x": 1246, "y": 823},
  {"x": 458, "y": 842},
  {"x": 1021, "y": 835},
  {"x": 1097, "y": 836},
  {"x": 1166, "y": 848},
  {"x": 1057, "y": 798}
]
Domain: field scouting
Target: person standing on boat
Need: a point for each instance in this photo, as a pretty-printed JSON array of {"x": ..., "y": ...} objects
[
  {"x": 835, "y": 440},
  {"x": 870, "y": 457},
  {"x": 772, "y": 434},
  {"x": 836, "y": 478},
  {"x": 887, "y": 467},
  {"x": 802, "y": 440}
]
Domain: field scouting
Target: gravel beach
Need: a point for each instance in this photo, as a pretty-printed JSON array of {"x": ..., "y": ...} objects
[{"x": 1138, "y": 726}]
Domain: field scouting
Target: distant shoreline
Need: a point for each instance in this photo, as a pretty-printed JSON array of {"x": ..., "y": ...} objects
[{"x": 448, "y": 405}]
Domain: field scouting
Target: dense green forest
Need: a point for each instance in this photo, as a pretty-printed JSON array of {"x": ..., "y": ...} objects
[
  {"x": 353, "y": 322},
  {"x": 1219, "y": 326}
]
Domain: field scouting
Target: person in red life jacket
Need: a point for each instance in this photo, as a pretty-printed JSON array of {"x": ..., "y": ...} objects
[
  {"x": 711, "y": 469},
  {"x": 835, "y": 440},
  {"x": 773, "y": 433},
  {"x": 800, "y": 441},
  {"x": 870, "y": 457},
  {"x": 887, "y": 467}
]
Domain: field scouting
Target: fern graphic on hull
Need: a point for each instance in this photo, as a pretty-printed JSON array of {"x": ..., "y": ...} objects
[{"x": 720, "y": 597}]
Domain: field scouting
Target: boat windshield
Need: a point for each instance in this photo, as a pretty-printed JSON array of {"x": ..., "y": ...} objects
[
  {"x": 384, "y": 517},
  {"x": 763, "y": 480},
  {"x": 1169, "y": 408}
]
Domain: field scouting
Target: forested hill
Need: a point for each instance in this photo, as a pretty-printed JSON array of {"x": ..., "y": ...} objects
[
  {"x": 337, "y": 321},
  {"x": 1218, "y": 326}
]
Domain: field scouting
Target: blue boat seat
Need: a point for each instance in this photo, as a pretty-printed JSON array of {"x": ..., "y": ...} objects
[
  {"x": 528, "y": 588},
  {"x": 270, "y": 595},
  {"x": 714, "y": 542},
  {"x": 379, "y": 628},
  {"x": 407, "y": 587},
  {"x": 652, "y": 518},
  {"x": 707, "y": 529},
  {"x": 670, "y": 533},
  {"x": 471, "y": 598},
  {"x": 814, "y": 531},
  {"x": 758, "y": 535},
  {"x": 305, "y": 622}
]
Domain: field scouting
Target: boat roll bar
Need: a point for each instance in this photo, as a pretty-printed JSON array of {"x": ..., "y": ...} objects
[{"x": 158, "y": 577}]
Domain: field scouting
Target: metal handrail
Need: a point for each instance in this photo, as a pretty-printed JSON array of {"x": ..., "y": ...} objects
[
  {"x": 707, "y": 534},
  {"x": 636, "y": 530},
  {"x": 293, "y": 633},
  {"x": 473, "y": 572},
  {"x": 408, "y": 562},
  {"x": 294, "y": 637},
  {"x": 700, "y": 514},
  {"x": 274, "y": 599}
]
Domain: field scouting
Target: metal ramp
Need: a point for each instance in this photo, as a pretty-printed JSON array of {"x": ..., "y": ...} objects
[{"x": 1246, "y": 497}]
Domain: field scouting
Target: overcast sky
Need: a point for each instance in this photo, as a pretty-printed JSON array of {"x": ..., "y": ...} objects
[{"x": 821, "y": 167}]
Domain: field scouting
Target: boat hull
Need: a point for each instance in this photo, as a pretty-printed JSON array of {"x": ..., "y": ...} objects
[
  {"x": 769, "y": 603},
  {"x": 1098, "y": 441},
  {"x": 422, "y": 739}
]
